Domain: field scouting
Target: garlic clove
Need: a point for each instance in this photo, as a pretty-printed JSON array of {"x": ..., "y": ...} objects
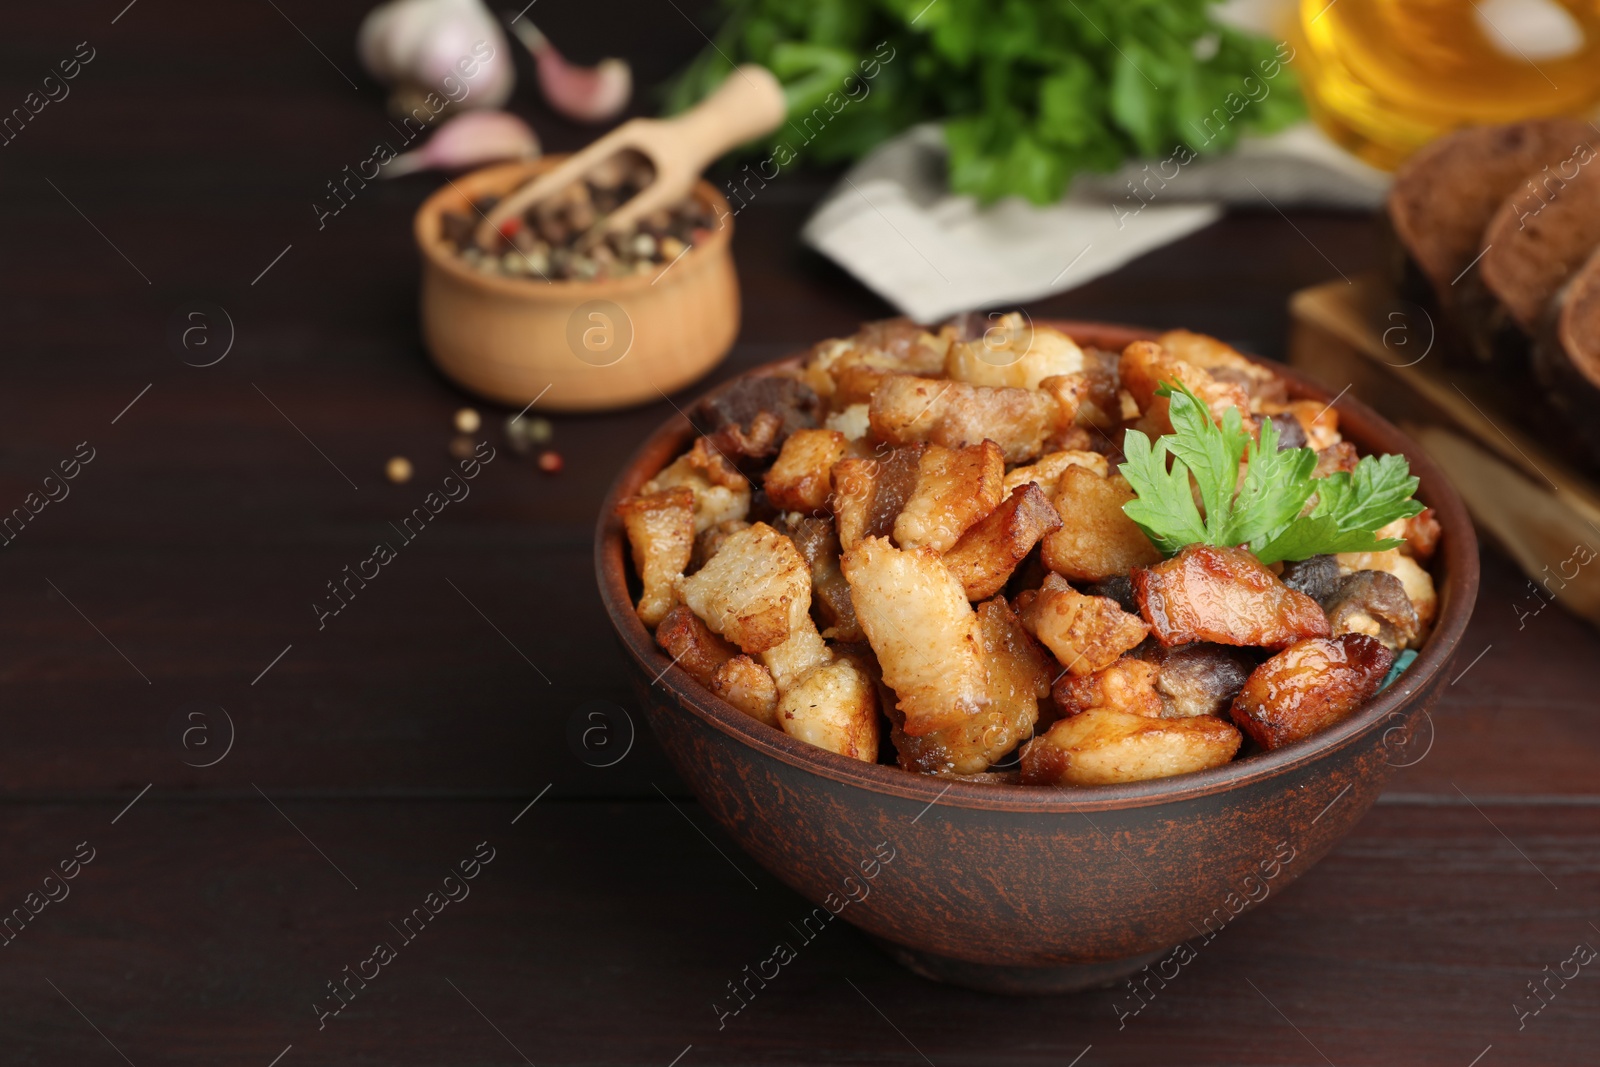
[
  {"x": 586, "y": 94},
  {"x": 452, "y": 47},
  {"x": 468, "y": 140}
]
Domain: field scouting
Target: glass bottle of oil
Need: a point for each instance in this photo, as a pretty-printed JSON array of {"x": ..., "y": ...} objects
[{"x": 1384, "y": 77}]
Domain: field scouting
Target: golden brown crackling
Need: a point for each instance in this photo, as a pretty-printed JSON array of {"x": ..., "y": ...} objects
[
  {"x": 1226, "y": 595},
  {"x": 924, "y": 632},
  {"x": 955, "y": 488},
  {"x": 1104, "y": 746},
  {"x": 755, "y": 591},
  {"x": 1308, "y": 687},
  {"x": 660, "y": 529},
  {"x": 1096, "y": 539},
  {"x": 799, "y": 479},
  {"x": 990, "y": 550},
  {"x": 1085, "y": 633}
]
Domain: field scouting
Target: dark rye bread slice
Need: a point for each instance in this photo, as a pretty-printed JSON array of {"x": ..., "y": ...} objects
[
  {"x": 1444, "y": 196},
  {"x": 1539, "y": 239},
  {"x": 1567, "y": 355}
]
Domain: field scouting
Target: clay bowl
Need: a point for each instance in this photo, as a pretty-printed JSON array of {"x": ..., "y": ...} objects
[
  {"x": 595, "y": 345},
  {"x": 1022, "y": 889}
]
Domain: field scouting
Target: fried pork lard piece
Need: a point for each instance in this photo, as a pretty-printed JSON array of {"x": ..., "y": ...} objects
[
  {"x": 907, "y": 409},
  {"x": 798, "y": 480},
  {"x": 1096, "y": 539},
  {"x": 692, "y": 645},
  {"x": 661, "y": 530},
  {"x": 954, "y": 489},
  {"x": 1225, "y": 364},
  {"x": 1308, "y": 687},
  {"x": 1146, "y": 366},
  {"x": 1019, "y": 677},
  {"x": 1224, "y": 595},
  {"x": 1127, "y": 685},
  {"x": 834, "y": 707},
  {"x": 716, "y": 664},
  {"x": 748, "y": 686},
  {"x": 755, "y": 591},
  {"x": 721, "y": 493},
  {"x": 1013, "y": 353},
  {"x": 830, "y": 593},
  {"x": 1085, "y": 633},
  {"x": 754, "y": 415},
  {"x": 988, "y": 552},
  {"x": 1048, "y": 469},
  {"x": 924, "y": 632},
  {"x": 1104, "y": 746},
  {"x": 868, "y": 494}
]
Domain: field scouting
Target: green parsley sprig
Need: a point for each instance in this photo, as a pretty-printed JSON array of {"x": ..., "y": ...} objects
[{"x": 1263, "y": 512}]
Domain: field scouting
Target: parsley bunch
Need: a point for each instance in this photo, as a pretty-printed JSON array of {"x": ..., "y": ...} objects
[
  {"x": 1263, "y": 513},
  {"x": 1029, "y": 93}
]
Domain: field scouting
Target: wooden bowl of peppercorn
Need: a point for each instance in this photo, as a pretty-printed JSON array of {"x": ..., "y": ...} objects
[{"x": 640, "y": 316}]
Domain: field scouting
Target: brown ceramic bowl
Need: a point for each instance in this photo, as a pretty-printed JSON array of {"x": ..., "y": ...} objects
[
  {"x": 1028, "y": 889},
  {"x": 607, "y": 343}
]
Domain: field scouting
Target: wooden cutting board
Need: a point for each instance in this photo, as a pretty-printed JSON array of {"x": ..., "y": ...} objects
[{"x": 1546, "y": 515}]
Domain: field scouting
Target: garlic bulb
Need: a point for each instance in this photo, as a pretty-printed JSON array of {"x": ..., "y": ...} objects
[
  {"x": 468, "y": 140},
  {"x": 587, "y": 94},
  {"x": 452, "y": 47}
]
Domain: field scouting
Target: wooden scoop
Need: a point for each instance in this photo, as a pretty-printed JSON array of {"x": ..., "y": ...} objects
[{"x": 747, "y": 105}]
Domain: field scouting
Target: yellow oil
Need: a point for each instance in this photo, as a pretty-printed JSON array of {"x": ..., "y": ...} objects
[{"x": 1384, "y": 77}]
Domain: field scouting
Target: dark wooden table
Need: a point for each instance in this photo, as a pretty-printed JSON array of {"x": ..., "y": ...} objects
[{"x": 159, "y": 617}]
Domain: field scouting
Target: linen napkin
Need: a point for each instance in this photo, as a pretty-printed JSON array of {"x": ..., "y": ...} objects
[{"x": 893, "y": 224}]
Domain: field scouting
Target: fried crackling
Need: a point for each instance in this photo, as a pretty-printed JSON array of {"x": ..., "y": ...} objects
[
  {"x": 1104, "y": 746},
  {"x": 1224, "y": 363},
  {"x": 830, "y": 593},
  {"x": 1085, "y": 633},
  {"x": 755, "y": 591},
  {"x": 954, "y": 489},
  {"x": 1308, "y": 687},
  {"x": 1019, "y": 677},
  {"x": 906, "y": 409},
  {"x": 707, "y": 543},
  {"x": 1013, "y": 353},
  {"x": 1128, "y": 685},
  {"x": 989, "y": 551},
  {"x": 660, "y": 528},
  {"x": 924, "y": 632},
  {"x": 721, "y": 493},
  {"x": 692, "y": 645},
  {"x": 799, "y": 478},
  {"x": 1224, "y": 595},
  {"x": 1048, "y": 468},
  {"x": 834, "y": 707},
  {"x": 868, "y": 494},
  {"x": 1146, "y": 366},
  {"x": 1096, "y": 539},
  {"x": 748, "y": 686}
]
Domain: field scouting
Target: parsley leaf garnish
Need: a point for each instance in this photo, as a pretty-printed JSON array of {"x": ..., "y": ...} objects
[{"x": 1263, "y": 511}]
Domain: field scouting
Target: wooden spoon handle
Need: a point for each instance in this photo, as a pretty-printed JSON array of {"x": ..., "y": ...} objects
[{"x": 748, "y": 104}]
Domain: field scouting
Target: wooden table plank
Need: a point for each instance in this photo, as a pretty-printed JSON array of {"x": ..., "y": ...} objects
[{"x": 603, "y": 933}]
